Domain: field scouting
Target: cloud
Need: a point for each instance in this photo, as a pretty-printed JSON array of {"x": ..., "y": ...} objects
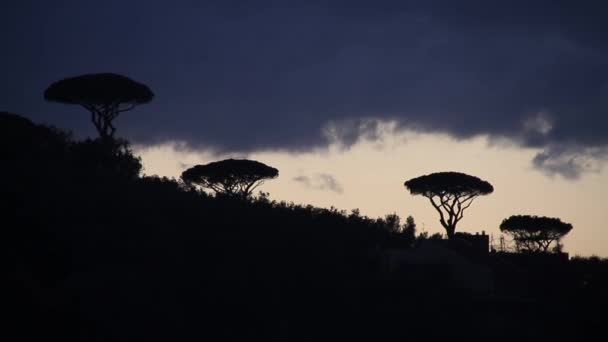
[
  {"x": 539, "y": 124},
  {"x": 320, "y": 181},
  {"x": 570, "y": 162},
  {"x": 239, "y": 78},
  {"x": 185, "y": 166}
]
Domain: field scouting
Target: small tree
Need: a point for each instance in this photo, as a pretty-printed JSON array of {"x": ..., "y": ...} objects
[
  {"x": 232, "y": 177},
  {"x": 393, "y": 223},
  {"x": 107, "y": 159},
  {"x": 409, "y": 228},
  {"x": 450, "y": 194},
  {"x": 104, "y": 95},
  {"x": 535, "y": 233}
]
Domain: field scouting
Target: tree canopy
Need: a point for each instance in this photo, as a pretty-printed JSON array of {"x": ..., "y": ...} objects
[
  {"x": 233, "y": 177},
  {"x": 535, "y": 233},
  {"x": 105, "y": 95},
  {"x": 450, "y": 193},
  {"x": 22, "y": 139}
]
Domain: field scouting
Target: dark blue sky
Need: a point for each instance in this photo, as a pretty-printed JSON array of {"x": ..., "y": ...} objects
[{"x": 240, "y": 76}]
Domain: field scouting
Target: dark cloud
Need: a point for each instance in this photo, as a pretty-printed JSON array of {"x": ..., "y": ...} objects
[
  {"x": 320, "y": 181},
  {"x": 237, "y": 76}
]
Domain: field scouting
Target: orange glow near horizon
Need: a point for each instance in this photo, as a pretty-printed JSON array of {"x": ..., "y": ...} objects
[{"x": 371, "y": 175}]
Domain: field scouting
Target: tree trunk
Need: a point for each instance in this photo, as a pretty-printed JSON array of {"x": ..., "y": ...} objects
[{"x": 451, "y": 230}]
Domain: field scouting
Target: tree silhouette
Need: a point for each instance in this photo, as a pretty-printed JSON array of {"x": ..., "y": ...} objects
[
  {"x": 232, "y": 177},
  {"x": 534, "y": 233},
  {"x": 393, "y": 223},
  {"x": 105, "y": 158},
  {"x": 450, "y": 194},
  {"x": 73, "y": 205},
  {"x": 105, "y": 95},
  {"x": 23, "y": 140},
  {"x": 409, "y": 228}
]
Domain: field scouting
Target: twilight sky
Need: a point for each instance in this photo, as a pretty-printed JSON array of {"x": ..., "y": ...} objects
[{"x": 347, "y": 99}]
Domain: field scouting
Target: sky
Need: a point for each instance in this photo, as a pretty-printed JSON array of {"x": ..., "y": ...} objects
[{"x": 348, "y": 99}]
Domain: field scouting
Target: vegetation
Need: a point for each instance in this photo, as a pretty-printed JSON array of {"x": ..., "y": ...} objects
[
  {"x": 450, "y": 193},
  {"x": 99, "y": 252},
  {"x": 535, "y": 233},
  {"x": 230, "y": 177},
  {"x": 105, "y": 95}
]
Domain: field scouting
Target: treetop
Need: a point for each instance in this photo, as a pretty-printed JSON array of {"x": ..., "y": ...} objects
[
  {"x": 532, "y": 223},
  {"x": 98, "y": 89},
  {"x": 241, "y": 168},
  {"x": 448, "y": 183}
]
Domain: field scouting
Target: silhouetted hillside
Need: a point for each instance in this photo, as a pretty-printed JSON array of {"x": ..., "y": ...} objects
[{"x": 99, "y": 253}]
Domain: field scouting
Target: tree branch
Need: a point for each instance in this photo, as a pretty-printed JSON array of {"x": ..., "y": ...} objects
[
  {"x": 125, "y": 109},
  {"x": 438, "y": 208}
]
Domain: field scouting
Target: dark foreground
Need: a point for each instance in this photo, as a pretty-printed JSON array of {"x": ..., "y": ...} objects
[{"x": 97, "y": 253}]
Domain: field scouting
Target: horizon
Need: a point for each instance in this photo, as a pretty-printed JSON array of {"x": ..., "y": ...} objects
[
  {"x": 328, "y": 180},
  {"x": 320, "y": 89}
]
